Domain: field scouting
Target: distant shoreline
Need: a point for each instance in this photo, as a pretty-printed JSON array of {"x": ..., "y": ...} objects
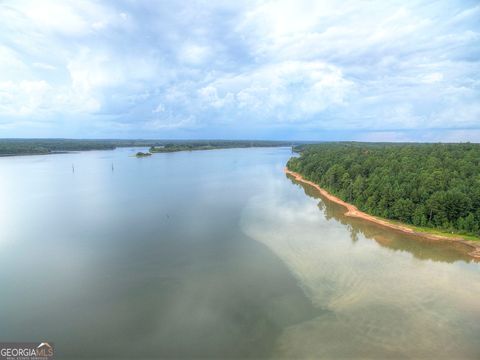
[
  {"x": 46, "y": 153},
  {"x": 22, "y": 147},
  {"x": 352, "y": 211},
  {"x": 139, "y": 147}
]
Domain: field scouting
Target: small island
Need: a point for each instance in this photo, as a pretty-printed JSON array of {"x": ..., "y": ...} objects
[{"x": 142, "y": 154}]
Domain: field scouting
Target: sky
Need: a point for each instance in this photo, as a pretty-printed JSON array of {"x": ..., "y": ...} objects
[{"x": 289, "y": 70}]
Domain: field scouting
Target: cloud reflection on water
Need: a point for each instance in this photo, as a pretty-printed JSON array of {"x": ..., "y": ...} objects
[{"x": 395, "y": 296}]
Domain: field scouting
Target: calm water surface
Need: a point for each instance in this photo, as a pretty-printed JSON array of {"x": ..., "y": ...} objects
[{"x": 216, "y": 254}]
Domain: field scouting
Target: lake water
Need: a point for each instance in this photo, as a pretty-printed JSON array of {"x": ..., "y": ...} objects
[{"x": 216, "y": 254}]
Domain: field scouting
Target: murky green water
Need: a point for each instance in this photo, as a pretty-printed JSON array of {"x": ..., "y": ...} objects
[{"x": 216, "y": 254}]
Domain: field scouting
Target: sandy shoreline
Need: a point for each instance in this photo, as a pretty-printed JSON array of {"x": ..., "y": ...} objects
[{"x": 352, "y": 211}]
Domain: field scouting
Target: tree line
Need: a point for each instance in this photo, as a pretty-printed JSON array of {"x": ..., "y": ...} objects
[
  {"x": 10, "y": 147},
  {"x": 427, "y": 185}
]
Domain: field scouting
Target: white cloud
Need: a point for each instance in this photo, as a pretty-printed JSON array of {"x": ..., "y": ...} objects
[
  {"x": 43, "y": 66},
  {"x": 11, "y": 64},
  {"x": 171, "y": 122},
  {"x": 64, "y": 18},
  {"x": 209, "y": 95},
  {"x": 290, "y": 90},
  {"x": 24, "y": 97},
  {"x": 193, "y": 54},
  {"x": 55, "y": 16},
  {"x": 40, "y": 99},
  {"x": 160, "y": 108},
  {"x": 300, "y": 65},
  {"x": 432, "y": 78},
  {"x": 88, "y": 71}
]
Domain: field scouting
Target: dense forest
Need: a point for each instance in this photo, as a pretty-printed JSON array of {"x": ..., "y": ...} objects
[
  {"x": 427, "y": 185},
  {"x": 10, "y": 147}
]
